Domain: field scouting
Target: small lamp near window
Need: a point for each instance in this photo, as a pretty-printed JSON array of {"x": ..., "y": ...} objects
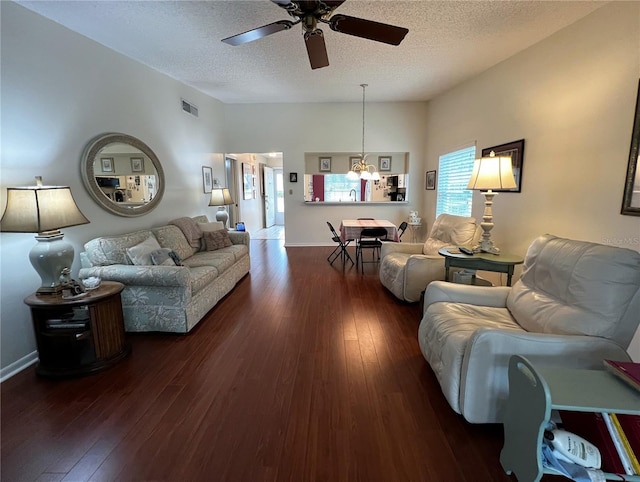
[
  {"x": 490, "y": 173},
  {"x": 44, "y": 210},
  {"x": 221, "y": 197}
]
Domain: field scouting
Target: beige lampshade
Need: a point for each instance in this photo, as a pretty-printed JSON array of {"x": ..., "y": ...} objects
[
  {"x": 220, "y": 197},
  {"x": 37, "y": 209},
  {"x": 492, "y": 173}
]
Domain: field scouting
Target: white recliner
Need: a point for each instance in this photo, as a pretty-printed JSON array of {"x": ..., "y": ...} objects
[
  {"x": 575, "y": 304},
  {"x": 407, "y": 268}
]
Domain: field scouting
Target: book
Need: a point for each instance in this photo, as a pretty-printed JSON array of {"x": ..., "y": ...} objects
[
  {"x": 615, "y": 436},
  {"x": 625, "y": 444},
  {"x": 628, "y": 372},
  {"x": 591, "y": 427},
  {"x": 631, "y": 426}
]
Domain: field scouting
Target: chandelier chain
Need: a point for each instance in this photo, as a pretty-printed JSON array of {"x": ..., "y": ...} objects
[{"x": 363, "y": 104}]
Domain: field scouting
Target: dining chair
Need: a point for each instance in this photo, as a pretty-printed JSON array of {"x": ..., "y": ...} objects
[
  {"x": 402, "y": 228},
  {"x": 340, "y": 250},
  {"x": 370, "y": 238}
]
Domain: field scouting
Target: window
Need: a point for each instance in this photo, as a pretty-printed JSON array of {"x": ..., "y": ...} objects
[
  {"x": 454, "y": 172},
  {"x": 338, "y": 188}
]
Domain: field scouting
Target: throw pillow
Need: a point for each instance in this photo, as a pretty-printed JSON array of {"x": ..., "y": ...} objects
[
  {"x": 162, "y": 257},
  {"x": 140, "y": 254},
  {"x": 217, "y": 239},
  {"x": 208, "y": 227}
]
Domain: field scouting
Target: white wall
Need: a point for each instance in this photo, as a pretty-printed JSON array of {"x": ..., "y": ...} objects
[
  {"x": 294, "y": 129},
  {"x": 572, "y": 98},
  {"x": 59, "y": 90}
]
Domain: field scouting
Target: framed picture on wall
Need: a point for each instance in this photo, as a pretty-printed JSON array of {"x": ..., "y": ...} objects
[
  {"x": 514, "y": 150},
  {"x": 385, "y": 163},
  {"x": 293, "y": 177},
  {"x": 137, "y": 164},
  {"x": 247, "y": 181},
  {"x": 325, "y": 164},
  {"x": 431, "y": 180},
  {"x": 107, "y": 164},
  {"x": 207, "y": 179}
]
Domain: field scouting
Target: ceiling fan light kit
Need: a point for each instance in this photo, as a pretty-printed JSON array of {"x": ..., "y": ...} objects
[{"x": 309, "y": 13}]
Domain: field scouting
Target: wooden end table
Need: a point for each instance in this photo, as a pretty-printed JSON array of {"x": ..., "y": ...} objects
[
  {"x": 500, "y": 263},
  {"x": 81, "y": 335}
]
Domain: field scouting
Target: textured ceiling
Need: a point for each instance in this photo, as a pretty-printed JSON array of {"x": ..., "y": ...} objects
[{"x": 448, "y": 42}]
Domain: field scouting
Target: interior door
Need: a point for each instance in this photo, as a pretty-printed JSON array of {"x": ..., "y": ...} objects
[{"x": 269, "y": 197}]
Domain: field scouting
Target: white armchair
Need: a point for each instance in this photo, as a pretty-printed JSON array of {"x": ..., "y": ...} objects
[
  {"x": 575, "y": 304},
  {"x": 407, "y": 268}
]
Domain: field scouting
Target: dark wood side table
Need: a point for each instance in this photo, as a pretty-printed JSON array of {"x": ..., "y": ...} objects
[
  {"x": 79, "y": 335},
  {"x": 500, "y": 263}
]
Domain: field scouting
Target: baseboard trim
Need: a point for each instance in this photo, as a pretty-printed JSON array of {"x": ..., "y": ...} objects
[{"x": 19, "y": 365}]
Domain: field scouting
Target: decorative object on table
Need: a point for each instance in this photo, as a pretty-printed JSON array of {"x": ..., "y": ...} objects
[
  {"x": 631, "y": 197},
  {"x": 91, "y": 283},
  {"x": 490, "y": 173},
  {"x": 106, "y": 163},
  {"x": 247, "y": 181},
  {"x": 384, "y": 163},
  {"x": 240, "y": 226},
  {"x": 431, "y": 180},
  {"x": 325, "y": 164},
  {"x": 207, "y": 179},
  {"x": 44, "y": 210},
  {"x": 359, "y": 167},
  {"x": 221, "y": 197},
  {"x": 413, "y": 217},
  {"x": 514, "y": 150},
  {"x": 137, "y": 164},
  {"x": 310, "y": 15},
  {"x": 293, "y": 177}
]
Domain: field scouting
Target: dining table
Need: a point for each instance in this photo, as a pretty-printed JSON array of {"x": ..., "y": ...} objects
[{"x": 350, "y": 228}]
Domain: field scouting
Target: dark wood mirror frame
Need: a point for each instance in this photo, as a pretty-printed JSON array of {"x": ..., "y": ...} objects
[
  {"x": 90, "y": 154},
  {"x": 631, "y": 203}
]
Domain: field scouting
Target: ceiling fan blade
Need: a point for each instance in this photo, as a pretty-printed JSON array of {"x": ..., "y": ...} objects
[
  {"x": 258, "y": 33},
  {"x": 316, "y": 49},
  {"x": 359, "y": 27}
]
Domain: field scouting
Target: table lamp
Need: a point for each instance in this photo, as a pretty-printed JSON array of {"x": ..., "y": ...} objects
[
  {"x": 221, "y": 197},
  {"x": 490, "y": 173},
  {"x": 44, "y": 210}
]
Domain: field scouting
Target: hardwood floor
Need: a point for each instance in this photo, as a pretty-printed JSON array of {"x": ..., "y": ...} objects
[{"x": 302, "y": 373}]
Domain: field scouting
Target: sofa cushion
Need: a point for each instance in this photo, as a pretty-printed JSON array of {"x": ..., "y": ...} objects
[
  {"x": 165, "y": 257},
  {"x": 171, "y": 237},
  {"x": 445, "y": 338},
  {"x": 202, "y": 276},
  {"x": 220, "y": 259},
  {"x": 108, "y": 250},
  {"x": 218, "y": 239},
  {"x": 140, "y": 254},
  {"x": 190, "y": 229},
  {"x": 213, "y": 226},
  {"x": 574, "y": 287},
  {"x": 450, "y": 230}
]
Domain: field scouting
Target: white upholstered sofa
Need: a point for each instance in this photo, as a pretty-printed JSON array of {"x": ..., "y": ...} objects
[
  {"x": 407, "y": 268},
  {"x": 575, "y": 304}
]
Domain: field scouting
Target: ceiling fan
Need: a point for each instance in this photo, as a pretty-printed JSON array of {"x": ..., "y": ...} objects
[{"x": 309, "y": 13}]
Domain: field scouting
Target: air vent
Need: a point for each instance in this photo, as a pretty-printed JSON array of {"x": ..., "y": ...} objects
[{"x": 189, "y": 108}]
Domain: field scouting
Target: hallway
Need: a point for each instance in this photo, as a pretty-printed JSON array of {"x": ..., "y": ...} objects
[{"x": 273, "y": 232}]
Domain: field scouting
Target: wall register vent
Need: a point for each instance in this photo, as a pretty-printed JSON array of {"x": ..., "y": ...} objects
[{"x": 189, "y": 108}]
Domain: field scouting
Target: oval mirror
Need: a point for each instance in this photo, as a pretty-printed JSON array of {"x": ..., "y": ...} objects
[{"x": 122, "y": 174}]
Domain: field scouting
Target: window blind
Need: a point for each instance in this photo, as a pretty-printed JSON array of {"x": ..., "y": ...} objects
[{"x": 454, "y": 172}]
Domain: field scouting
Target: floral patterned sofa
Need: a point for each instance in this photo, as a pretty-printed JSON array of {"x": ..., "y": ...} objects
[{"x": 166, "y": 297}]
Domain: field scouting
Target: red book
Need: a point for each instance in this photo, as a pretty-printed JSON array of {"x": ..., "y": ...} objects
[
  {"x": 631, "y": 426},
  {"x": 626, "y": 371},
  {"x": 591, "y": 427}
]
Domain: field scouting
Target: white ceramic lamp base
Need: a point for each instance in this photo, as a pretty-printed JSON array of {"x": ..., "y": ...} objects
[
  {"x": 222, "y": 215},
  {"x": 49, "y": 257},
  {"x": 486, "y": 243}
]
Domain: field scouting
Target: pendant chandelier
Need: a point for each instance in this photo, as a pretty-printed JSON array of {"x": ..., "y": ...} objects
[{"x": 360, "y": 169}]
